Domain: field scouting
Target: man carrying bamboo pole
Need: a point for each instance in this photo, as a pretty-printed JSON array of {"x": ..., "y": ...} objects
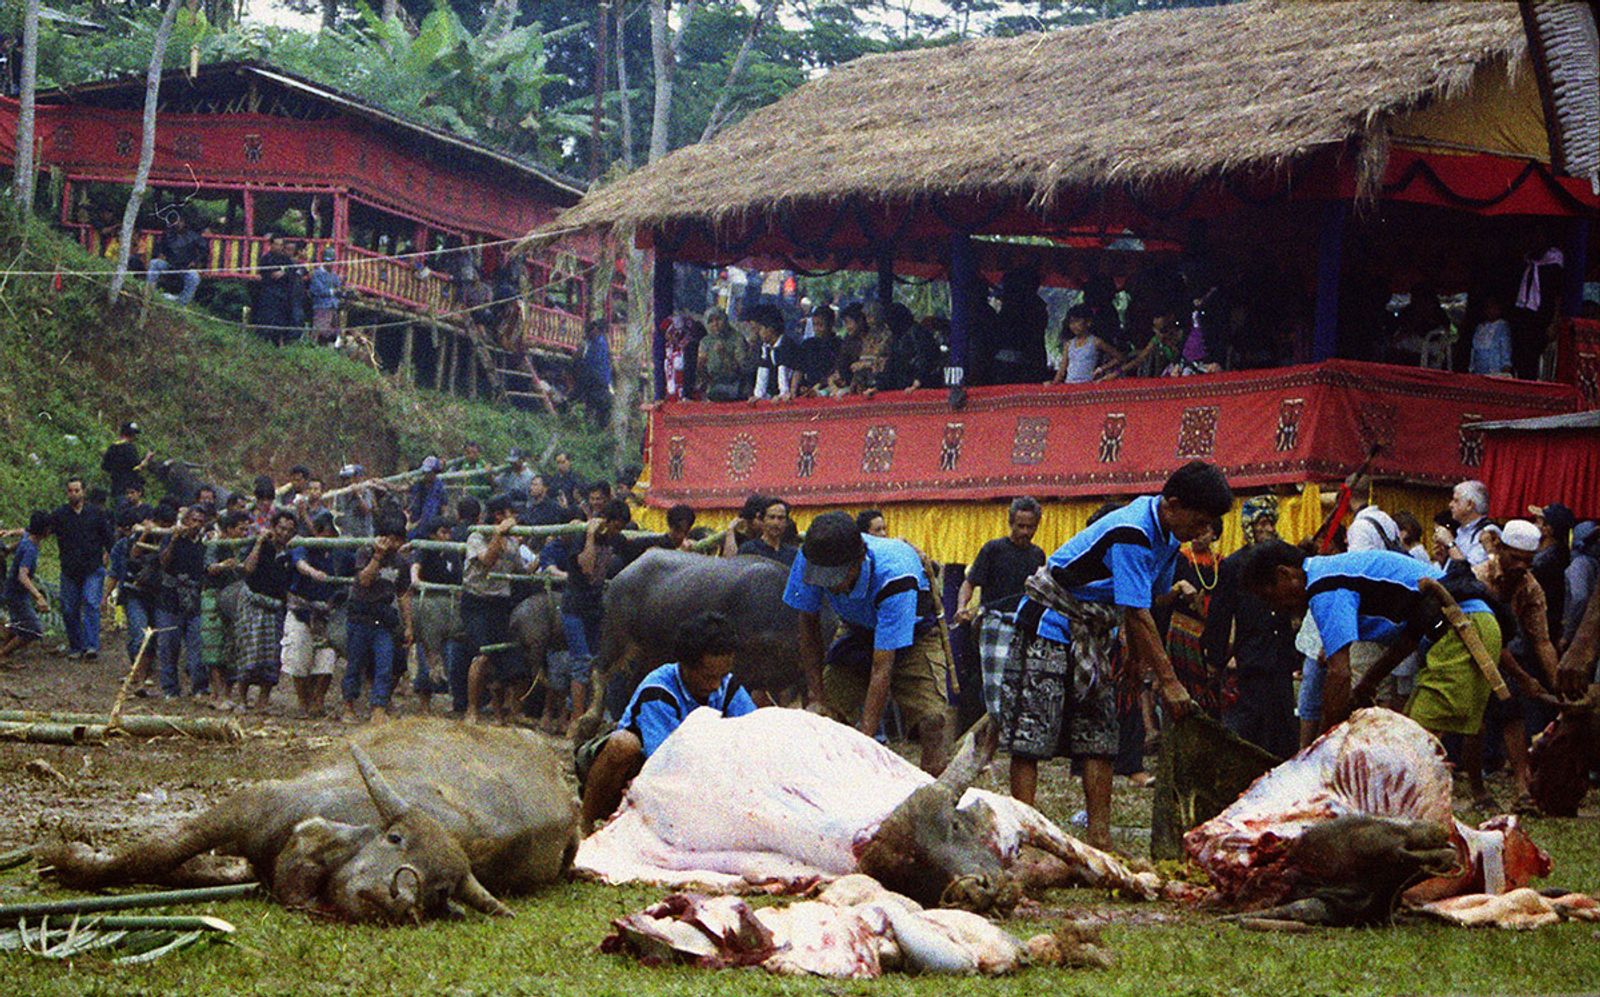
[
  {"x": 24, "y": 600},
  {"x": 486, "y": 615}
]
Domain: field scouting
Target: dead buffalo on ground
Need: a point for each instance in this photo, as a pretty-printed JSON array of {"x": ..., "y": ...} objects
[{"x": 392, "y": 827}]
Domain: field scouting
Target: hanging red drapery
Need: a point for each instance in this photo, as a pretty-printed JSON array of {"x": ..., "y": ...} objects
[{"x": 1524, "y": 468}]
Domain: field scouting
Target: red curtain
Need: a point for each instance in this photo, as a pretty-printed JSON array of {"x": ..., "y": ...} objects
[{"x": 1537, "y": 468}]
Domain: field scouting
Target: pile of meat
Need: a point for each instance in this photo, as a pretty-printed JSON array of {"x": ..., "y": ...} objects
[
  {"x": 1360, "y": 820},
  {"x": 854, "y": 929}
]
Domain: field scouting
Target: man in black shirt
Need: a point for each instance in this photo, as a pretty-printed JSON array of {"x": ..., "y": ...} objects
[
  {"x": 543, "y": 509},
  {"x": 179, "y": 249},
  {"x": 123, "y": 463},
  {"x": 268, "y": 573},
  {"x": 83, "y": 537},
  {"x": 773, "y": 523},
  {"x": 183, "y": 569},
  {"x": 997, "y": 576},
  {"x": 1251, "y": 645},
  {"x": 588, "y": 564},
  {"x": 819, "y": 355}
]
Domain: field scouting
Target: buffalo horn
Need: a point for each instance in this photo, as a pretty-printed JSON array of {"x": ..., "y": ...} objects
[
  {"x": 390, "y": 804},
  {"x": 972, "y": 755},
  {"x": 475, "y": 896}
]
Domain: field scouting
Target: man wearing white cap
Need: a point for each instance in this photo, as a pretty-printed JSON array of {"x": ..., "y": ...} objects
[{"x": 1507, "y": 576}]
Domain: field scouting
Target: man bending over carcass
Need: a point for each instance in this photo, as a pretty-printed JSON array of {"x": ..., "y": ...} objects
[
  {"x": 702, "y": 676},
  {"x": 889, "y": 645}
]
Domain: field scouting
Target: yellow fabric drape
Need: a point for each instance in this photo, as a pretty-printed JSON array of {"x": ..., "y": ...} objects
[{"x": 953, "y": 531}]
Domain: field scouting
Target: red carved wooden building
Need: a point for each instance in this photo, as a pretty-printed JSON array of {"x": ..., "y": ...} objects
[{"x": 267, "y": 150}]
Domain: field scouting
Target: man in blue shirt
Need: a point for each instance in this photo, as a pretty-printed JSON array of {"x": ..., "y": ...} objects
[
  {"x": 701, "y": 677},
  {"x": 24, "y": 600},
  {"x": 1058, "y": 696},
  {"x": 1374, "y": 596},
  {"x": 889, "y": 643}
]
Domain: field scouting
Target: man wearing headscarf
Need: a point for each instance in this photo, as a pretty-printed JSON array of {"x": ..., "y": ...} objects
[{"x": 1251, "y": 645}]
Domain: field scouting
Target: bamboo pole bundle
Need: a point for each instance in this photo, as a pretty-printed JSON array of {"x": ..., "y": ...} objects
[
  {"x": 36, "y": 732},
  {"x": 137, "y": 725},
  {"x": 126, "y": 901}
]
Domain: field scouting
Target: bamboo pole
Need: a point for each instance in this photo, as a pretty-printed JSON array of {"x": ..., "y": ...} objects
[
  {"x": 127, "y": 680},
  {"x": 138, "y": 725},
  {"x": 15, "y": 857},
  {"x": 1469, "y": 635},
  {"x": 451, "y": 546},
  {"x": 126, "y": 901},
  {"x": 156, "y": 922},
  {"x": 31, "y": 732}
]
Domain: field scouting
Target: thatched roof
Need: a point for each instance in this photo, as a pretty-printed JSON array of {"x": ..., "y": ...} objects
[{"x": 1140, "y": 99}]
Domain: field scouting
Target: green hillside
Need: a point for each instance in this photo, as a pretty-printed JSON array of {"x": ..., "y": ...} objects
[{"x": 206, "y": 391}]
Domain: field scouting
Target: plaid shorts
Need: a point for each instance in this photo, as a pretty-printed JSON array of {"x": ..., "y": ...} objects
[
  {"x": 1050, "y": 708},
  {"x": 995, "y": 631}
]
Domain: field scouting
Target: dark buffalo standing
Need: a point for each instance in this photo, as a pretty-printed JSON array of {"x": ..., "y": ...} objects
[
  {"x": 392, "y": 827},
  {"x": 648, "y": 599}
]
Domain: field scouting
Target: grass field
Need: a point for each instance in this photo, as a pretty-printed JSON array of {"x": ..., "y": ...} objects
[{"x": 551, "y": 946}]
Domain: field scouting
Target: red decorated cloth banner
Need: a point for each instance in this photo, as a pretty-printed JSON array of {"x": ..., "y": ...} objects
[{"x": 1282, "y": 426}]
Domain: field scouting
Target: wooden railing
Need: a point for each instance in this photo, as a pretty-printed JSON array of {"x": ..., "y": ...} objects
[{"x": 401, "y": 282}]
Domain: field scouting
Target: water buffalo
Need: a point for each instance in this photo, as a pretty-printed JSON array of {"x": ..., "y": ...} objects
[
  {"x": 405, "y": 818},
  {"x": 649, "y": 598}
]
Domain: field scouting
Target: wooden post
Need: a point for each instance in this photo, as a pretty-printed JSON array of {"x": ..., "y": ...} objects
[
  {"x": 472, "y": 368},
  {"x": 661, "y": 313},
  {"x": 1330, "y": 259},
  {"x": 452, "y": 362},
  {"x": 406, "y": 352},
  {"x": 885, "y": 277},
  {"x": 963, "y": 277},
  {"x": 249, "y": 212}
]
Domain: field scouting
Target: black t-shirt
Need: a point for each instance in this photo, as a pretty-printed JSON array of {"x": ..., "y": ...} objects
[
  {"x": 274, "y": 573},
  {"x": 440, "y": 567},
  {"x": 1001, "y": 569},
  {"x": 394, "y": 579},
  {"x": 583, "y": 596},
  {"x": 185, "y": 568},
  {"x": 783, "y": 555},
  {"x": 545, "y": 512},
  {"x": 119, "y": 462},
  {"x": 83, "y": 538},
  {"x": 818, "y": 355}
]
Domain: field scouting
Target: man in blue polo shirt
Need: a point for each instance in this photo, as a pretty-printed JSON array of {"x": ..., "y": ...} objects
[
  {"x": 888, "y": 643},
  {"x": 702, "y": 676},
  {"x": 1374, "y": 596},
  {"x": 1058, "y": 696}
]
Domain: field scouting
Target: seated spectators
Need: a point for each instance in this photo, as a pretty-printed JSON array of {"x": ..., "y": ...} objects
[
  {"x": 819, "y": 355},
  {"x": 723, "y": 371},
  {"x": 179, "y": 250},
  {"x": 778, "y": 364}
]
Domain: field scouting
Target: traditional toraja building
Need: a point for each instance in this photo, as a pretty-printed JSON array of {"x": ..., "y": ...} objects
[
  {"x": 266, "y": 144},
  {"x": 1396, "y": 141}
]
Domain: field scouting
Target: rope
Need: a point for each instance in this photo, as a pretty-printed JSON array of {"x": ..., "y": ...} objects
[{"x": 258, "y": 268}]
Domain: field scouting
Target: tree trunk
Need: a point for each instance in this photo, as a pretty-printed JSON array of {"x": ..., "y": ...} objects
[
  {"x": 330, "y": 14},
  {"x": 626, "y": 110},
  {"x": 391, "y": 9},
  {"x": 666, "y": 46},
  {"x": 147, "y": 147},
  {"x": 26, "y": 180},
  {"x": 407, "y": 352},
  {"x": 718, "y": 110}
]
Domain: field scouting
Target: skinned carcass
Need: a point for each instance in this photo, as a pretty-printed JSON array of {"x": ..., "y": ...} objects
[
  {"x": 779, "y": 800},
  {"x": 395, "y": 825},
  {"x": 855, "y": 929},
  {"x": 1339, "y": 832}
]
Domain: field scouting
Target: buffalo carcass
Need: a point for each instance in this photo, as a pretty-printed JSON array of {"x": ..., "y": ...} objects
[
  {"x": 392, "y": 827},
  {"x": 1336, "y": 834},
  {"x": 781, "y": 799},
  {"x": 650, "y": 598}
]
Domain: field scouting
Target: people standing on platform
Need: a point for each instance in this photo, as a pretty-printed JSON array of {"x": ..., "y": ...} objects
[
  {"x": 993, "y": 589},
  {"x": 1083, "y": 354},
  {"x": 325, "y": 288},
  {"x": 1491, "y": 343},
  {"x": 724, "y": 367}
]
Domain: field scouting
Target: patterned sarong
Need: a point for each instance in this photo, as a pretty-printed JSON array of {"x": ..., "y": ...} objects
[{"x": 260, "y": 638}]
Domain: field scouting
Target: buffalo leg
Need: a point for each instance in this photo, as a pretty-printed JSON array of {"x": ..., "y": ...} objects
[
  {"x": 586, "y": 717},
  {"x": 154, "y": 858}
]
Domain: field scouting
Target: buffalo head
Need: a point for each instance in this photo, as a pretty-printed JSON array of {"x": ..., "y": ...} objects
[
  {"x": 936, "y": 853},
  {"x": 403, "y": 868}
]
